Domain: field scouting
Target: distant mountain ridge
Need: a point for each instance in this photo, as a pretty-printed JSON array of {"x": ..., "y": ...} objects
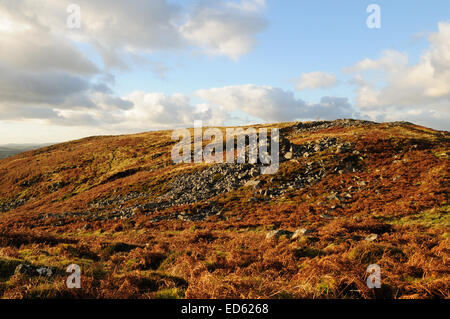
[{"x": 8, "y": 150}]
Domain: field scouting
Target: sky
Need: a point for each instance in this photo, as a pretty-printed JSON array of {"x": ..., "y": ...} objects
[{"x": 71, "y": 69}]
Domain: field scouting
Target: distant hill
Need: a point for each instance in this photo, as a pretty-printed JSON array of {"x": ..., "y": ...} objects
[
  {"x": 13, "y": 149},
  {"x": 348, "y": 194},
  {"x": 6, "y": 152}
]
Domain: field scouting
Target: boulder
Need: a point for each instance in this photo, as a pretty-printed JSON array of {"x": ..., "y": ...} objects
[
  {"x": 302, "y": 232},
  {"x": 278, "y": 233},
  {"x": 371, "y": 237}
]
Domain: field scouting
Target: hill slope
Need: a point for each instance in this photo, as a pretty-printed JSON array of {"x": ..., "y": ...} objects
[{"x": 347, "y": 194}]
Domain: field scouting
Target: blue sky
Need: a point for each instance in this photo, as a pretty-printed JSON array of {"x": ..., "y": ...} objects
[
  {"x": 301, "y": 37},
  {"x": 249, "y": 65}
]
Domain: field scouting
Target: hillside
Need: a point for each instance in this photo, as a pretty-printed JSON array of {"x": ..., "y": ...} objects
[{"x": 347, "y": 194}]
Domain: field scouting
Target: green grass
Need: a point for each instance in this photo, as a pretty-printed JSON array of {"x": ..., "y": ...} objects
[
  {"x": 170, "y": 293},
  {"x": 435, "y": 217},
  {"x": 325, "y": 285}
]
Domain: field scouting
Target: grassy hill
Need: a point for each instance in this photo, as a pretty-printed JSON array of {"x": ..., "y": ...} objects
[{"x": 347, "y": 194}]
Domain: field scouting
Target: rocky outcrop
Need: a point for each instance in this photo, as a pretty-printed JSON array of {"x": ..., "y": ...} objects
[
  {"x": 320, "y": 125},
  {"x": 203, "y": 185}
]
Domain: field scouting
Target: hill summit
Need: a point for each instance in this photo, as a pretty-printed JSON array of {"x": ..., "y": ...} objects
[{"x": 347, "y": 194}]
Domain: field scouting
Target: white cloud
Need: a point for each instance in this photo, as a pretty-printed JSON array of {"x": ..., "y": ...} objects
[
  {"x": 159, "y": 110},
  {"x": 143, "y": 111},
  {"x": 228, "y": 28},
  {"x": 316, "y": 80},
  {"x": 273, "y": 104},
  {"x": 118, "y": 28},
  {"x": 28, "y": 45},
  {"x": 43, "y": 74},
  {"x": 408, "y": 91},
  {"x": 262, "y": 102},
  {"x": 389, "y": 60}
]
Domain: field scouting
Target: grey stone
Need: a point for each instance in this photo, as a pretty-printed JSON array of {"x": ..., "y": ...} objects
[
  {"x": 302, "y": 232},
  {"x": 252, "y": 183},
  {"x": 277, "y": 233},
  {"x": 371, "y": 237}
]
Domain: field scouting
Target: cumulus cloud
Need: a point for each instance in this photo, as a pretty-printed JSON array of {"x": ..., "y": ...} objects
[
  {"x": 273, "y": 104},
  {"x": 316, "y": 80},
  {"x": 417, "y": 92},
  {"x": 49, "y": 88},
  {"x": 30, "y": 95},
  {"x": 166, "y": 111},
  {"x": 36, "y": 50},
  {"x": 220, "y": 106},
  {"x": 141, "y": 111},
  {"x": 45, "y": 76},
  {"x": 118, "y": 29},
  {"x": 227, "y": 28},
  {"x": 29, "y": 45}
]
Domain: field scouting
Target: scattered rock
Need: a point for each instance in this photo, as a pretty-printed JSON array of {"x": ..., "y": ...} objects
[
  {"x": 117, "y": 200},
  {"x": 333, "y": 196},
  {"x": 216, "y": 179},
  {"x": 31, "y": 271},
  {"x": 320, "y": 125},
  {"x": 361, "y": 183},
  {"x": 10, "y": 205},
  {"x": 212, "y": 181}
]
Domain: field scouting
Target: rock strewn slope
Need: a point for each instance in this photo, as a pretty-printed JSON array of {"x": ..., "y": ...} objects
[{"x": 347, "y": 194}]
